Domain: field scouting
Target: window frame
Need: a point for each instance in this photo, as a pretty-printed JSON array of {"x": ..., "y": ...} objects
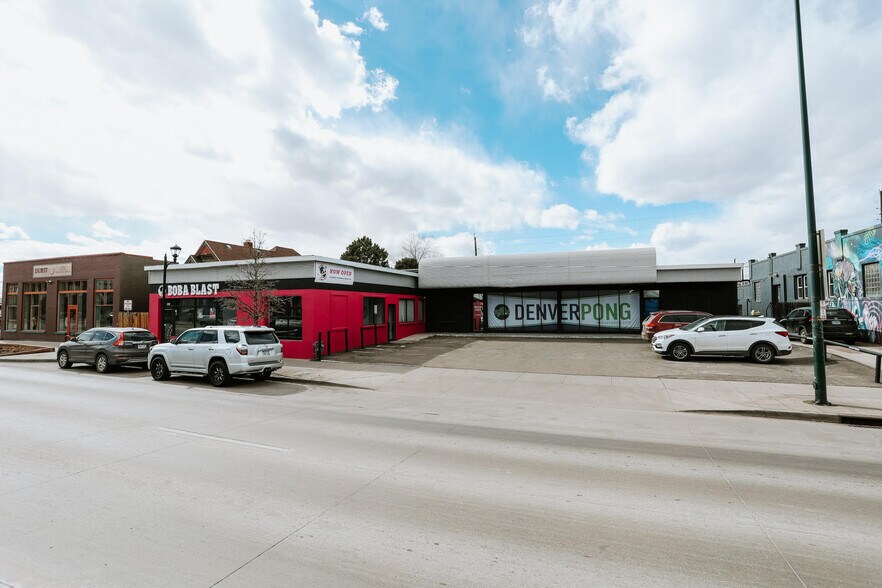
[
  {"x": 10, "y": 303},
  {"x": 757, "y": 291},
  {"x": 800, "y": 287},
  {"x": 290, "y": 313},
  {"x": 79, "y": 290},
  {"x": 40, "y": 292},
  {"x": 874, "y": 280},
  {"x": 370, "y": 304},
  {"x": 102, "y": 289},
  {"x": 406, "y": 310}
]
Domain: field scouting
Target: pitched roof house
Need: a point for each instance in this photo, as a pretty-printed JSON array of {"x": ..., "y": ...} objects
[{"x": 218, "y": 251}]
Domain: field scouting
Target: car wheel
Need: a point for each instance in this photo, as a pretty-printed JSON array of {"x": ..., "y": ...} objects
[
  {"x": 218, "y": 374},
  {"x": 63, "y": 360},
  {"x": 803, "y": 335},
  {"x": 680, "y": 351},
  {"x": 261, "y": 376},
  {"x": 159, "y": 369},
  {"x": 762, "y": 353},
  {"x": 102, "y": 366}
]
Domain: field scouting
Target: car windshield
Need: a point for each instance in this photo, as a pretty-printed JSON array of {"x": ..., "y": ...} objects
[
  {"x": 694, "y": 325},
  {"x": 261, "y": 337}
]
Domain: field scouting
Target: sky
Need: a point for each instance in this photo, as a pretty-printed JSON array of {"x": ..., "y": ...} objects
[{"x": 529, "y": 126}]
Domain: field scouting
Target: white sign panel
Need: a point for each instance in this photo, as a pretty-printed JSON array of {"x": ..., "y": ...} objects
[
  {"x": 612, "y": 311},
  {"x": 334, "y": 274},
  {"x": 53, "y": 270},
  {"x": 198, "y": 289},
  {"x": 127, "y": 305}
]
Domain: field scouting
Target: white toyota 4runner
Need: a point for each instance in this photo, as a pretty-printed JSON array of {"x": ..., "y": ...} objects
[{"x": 219, "y": 353}]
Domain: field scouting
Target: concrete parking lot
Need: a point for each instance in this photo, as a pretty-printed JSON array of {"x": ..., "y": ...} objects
[{"x": 600, "y": 357}]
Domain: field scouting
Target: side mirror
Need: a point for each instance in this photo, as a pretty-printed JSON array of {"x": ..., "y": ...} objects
[
  {"x": 74, "y": 339},
  {"x": 699, "y": 330},
  {"x": 173, "y": 340}
]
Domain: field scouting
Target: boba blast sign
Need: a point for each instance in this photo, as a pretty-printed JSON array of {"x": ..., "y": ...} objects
[{"x": 616, "y": 311}]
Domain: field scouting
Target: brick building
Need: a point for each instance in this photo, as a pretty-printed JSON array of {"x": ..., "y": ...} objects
[{"x": 48, "y": 299}]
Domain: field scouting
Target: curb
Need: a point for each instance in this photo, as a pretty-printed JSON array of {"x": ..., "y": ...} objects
[{"x": 841, "y": 419}]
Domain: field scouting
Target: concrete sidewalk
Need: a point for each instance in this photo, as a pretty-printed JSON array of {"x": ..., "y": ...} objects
[{"x": 659, "y": 394}]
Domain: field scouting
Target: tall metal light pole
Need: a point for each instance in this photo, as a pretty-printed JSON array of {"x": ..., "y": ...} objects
[
  {"x": 165, "y": 263},
  {"x": 814, "y": 282}
]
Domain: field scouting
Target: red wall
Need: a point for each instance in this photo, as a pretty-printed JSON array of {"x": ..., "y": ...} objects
[{"x": 334, "y": 311}]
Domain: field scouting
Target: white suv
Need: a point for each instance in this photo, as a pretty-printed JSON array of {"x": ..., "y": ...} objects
[
  {"x": 759, "y": 338},
  {"x": 219, "y": 353}
]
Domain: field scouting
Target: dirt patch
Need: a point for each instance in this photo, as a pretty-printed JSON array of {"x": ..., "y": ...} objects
[{"x": 13, "y": 349}]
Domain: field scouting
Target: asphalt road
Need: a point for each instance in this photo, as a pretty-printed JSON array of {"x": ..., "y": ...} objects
[{"x": 118, "y": 480}]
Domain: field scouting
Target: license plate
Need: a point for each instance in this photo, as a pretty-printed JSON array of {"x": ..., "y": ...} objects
[
  {"x": 834, "y": 322},
  {"x": 144, "y": 346},
  {"x": 263, "y": 352}
]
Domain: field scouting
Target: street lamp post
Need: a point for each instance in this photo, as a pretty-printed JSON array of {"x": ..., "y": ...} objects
[
  {"x": 165, "y": 263},
  {"x": 814, "y": 281}
]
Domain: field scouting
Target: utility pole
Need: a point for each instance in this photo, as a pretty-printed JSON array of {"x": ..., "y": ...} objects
[
  {"x": 476, "y": 241},
  {"x": 820, "y": 382}
]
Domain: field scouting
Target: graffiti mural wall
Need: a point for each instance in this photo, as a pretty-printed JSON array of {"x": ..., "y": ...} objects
[{"x": 846, "y": 257}]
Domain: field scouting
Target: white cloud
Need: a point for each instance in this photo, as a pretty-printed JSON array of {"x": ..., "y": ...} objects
[
  {"x": 702, "y": 105},
  {"x": 559, "y": 216},
  {"x": 550, "y": 89},
  {"x": 12, "y": 232},
  {"x": 350, "y": 28},
  {"x": 375, "y": 18},
  {"x": 228, "y": 119},
  {"x": 101, "y": 230},
  {"x": 463, "y": 245}
]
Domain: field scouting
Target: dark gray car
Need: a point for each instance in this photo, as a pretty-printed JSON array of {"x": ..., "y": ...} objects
[{"x": 107, "y": 347}]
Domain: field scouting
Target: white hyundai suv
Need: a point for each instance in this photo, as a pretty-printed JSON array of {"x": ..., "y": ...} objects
[
  {"x": 759, "y": 338},
  {"x": 219, "y": 353}
]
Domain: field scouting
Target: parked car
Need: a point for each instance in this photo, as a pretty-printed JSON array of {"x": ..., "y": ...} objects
[
  {"x": 107, "y": 347},
  {"x": 840, "y": 325},
  {"x": 759, "y": 338},
  {"x": 664, "y": 320},
  {"x": 220, "y": 353}
]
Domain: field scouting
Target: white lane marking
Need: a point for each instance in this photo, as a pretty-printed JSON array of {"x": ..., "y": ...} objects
[{"x": 223, "y": 439}]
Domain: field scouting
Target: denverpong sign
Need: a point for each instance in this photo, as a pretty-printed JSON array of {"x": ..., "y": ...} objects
[
  {"x": 334, "y": 274},
  {"x": 616, "y": 311}
]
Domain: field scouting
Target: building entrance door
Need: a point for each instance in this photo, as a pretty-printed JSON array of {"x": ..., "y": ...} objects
[
  {"x": 393, "y": 314},
  {"x": 73, "y": 312}
]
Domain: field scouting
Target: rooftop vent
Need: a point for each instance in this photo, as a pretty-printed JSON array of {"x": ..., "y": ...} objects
[
  {"x": 773, "y": 254},
  {"x": 751, "y": 261},
  {"x": 800, "y": 245}
]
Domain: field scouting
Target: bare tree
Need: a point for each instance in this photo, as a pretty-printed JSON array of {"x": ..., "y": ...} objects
[
  {"x": 251, "y": 286},
  {"x": 418, "y": 247}
]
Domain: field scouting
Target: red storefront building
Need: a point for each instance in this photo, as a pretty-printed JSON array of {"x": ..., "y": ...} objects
[{"x": 345, "y": 305}]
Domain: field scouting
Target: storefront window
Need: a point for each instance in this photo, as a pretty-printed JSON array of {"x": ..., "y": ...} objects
[
  {"x": 421, "y": 310},
  {"x": 34, "y": 307},
  {"x": 10, "y": 307},
  {"x": 187, "y": 313},
  {"x": 288, "y": 319},
  {"x": 405, "y": 310},
  {"x": 71, "y": 307},
  {"x": 374, "y": 311},
  {"x": 568, "y": 310},
  {"x": 103, "y": 303}
]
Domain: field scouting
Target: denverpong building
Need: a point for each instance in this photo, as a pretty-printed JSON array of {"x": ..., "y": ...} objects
[{"x": 607, "y": 291}]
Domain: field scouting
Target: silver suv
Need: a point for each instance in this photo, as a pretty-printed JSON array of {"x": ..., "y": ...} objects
[{"x": 219, "y": 353}]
